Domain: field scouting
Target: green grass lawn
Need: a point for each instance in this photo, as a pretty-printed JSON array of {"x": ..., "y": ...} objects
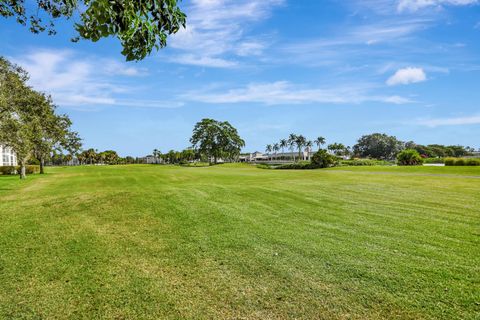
[{"x": 150, "y": 242}]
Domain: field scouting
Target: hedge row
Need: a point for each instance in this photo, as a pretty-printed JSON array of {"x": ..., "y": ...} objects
[
  {"x": 365, "y": 162},
  {"x": 434, "y": 160},
  {"x": 462, "y": 162},
  {"x": 8, "y": 170}
]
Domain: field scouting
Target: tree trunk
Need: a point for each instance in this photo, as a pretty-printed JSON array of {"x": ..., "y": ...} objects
[
  {"x": 23, "y": 171},
  {"x": 42, "y": 165}
]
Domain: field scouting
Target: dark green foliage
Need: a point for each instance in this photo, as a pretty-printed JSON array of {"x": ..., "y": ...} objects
[
  {"x": 216, "y": 139},
  {"x": 439, "y": 151},
  {"x": 322, "y": 159},
  {"x": 450, "y": 161},
  {"x": 139, "y": 25},
  {"x": 365, "y": 162},
  {"x": 472, "y": 162},
  {"x": 409, "y": 157},
  {"x": 8, "y": 170},
  {"x": 462, "y": 162},
  {"x": 378, "y": 146},
  {"x": 296, "y": 166},
  {"x": 434, "y": 160}
]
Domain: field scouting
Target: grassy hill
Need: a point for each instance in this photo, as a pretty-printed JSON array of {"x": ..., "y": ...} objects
[{"x": 234, "y": 241}]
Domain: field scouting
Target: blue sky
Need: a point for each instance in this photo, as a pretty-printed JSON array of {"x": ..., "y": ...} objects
[{"x": 339, "y": 69}]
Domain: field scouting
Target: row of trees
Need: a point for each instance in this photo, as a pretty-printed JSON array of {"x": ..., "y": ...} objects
[
  {"x": 175, "y": 157},
  {"x": 29, "y": 123},
  {"x": 211, "y": 140},
  {"x": 383, "y": 146},
  {"x": 376, "y": 145},
  {"x": 301, "y": 144}
]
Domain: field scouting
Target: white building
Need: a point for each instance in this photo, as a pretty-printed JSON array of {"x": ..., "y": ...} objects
[
  {"x": 7, "y": 156},
  {"x": 286, "y": 157}
]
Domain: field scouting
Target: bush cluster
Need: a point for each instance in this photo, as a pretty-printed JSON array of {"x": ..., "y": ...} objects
[
  {"x": 462, "y": 162},
  {"x": 8, "y": 170},
  {"x": 365, "y": 162},
  {"x": 409, "y": 157},
  {"x": 296, "y": 166},
  {"x": 434, "y": 160},
  {"x": 323, "y": 159}
]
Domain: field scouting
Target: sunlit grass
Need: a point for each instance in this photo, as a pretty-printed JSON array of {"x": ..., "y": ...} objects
[{"x": 234, "y": 241}]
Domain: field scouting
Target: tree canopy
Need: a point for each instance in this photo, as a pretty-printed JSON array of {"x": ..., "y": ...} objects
[
  {"x": 140, "y": 26},
  {"x": 216, "y": 139},
  {"x": 378, "y": 146},
  {"x": 28, "y": 121}
]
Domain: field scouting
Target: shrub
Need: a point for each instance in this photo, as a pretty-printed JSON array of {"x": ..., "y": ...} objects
[
  {"x": 462, "y": 162},
  {"x": 296, "y": 166},
  {"x": 322, "y": 159},
  {"x": 264, "y": 166},
  {"x": 8, "y": 170},
  {"x": 409, "y": 157},
  {"x": 472, "y": 162},
  {"x": 434, "y": 160},
  {"x": 30, "y": 169},
  {"x": 450, "y": 161},
  {"x": 365, "y": 162}
]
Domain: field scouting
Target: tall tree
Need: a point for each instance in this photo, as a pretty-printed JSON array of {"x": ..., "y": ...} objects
[
  {"x": 283, "y": 145},
  {"x": 292, "y": 140},
  {"x": 319, "y": 142},
  {"x": 268, "y": 150},
  {"x": 338, "y": 149},
  {"x": 216, "y": 139},
  {"x": 18, "y": 111},
  {"x": 52, "y": 131},
  {"x": 275, "y": 149},
  {"x": 300, "y": 143},
  {"x": 309, "y": 146},
  {"x": 140, "y": 26},
  {"x": 378, "y": 146}
]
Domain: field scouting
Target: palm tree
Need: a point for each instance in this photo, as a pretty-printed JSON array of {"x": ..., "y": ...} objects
[
  {"x": 268, "y": 149},
  {"x": 300, "y": 142},
  {"x": 319, "y": 142},
  {"x": 309, "y": 145},
  {"x": 291, "y": 143},
  {"x": 275, "y": 149},
  {"x": 283, "y": 145},
  {"x": 156, "y": 154}
]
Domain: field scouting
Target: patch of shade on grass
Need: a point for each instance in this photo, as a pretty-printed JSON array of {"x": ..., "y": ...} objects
[{"x": 234, "y": 241}]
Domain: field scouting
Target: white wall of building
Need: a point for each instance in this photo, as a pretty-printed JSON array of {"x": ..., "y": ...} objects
[{"x": 7, "y": 156}]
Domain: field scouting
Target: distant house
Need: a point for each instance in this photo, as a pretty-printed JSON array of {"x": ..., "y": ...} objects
[
  {"x": 7, "y": 156},
  {"x": 151, "y": 160},
  {"x": 275, "y": 157},
  {"x": 253, "y": 157}
]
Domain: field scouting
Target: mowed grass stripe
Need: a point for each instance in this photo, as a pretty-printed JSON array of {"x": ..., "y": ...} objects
[{"x": 239, "y": 242}]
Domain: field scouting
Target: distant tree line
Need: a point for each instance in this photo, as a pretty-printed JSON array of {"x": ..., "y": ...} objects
[
  {"x": 377, "y": 146},
  {"x": 385, "y": 147}
]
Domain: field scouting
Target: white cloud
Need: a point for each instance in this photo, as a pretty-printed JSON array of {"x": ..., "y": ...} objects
[
  {"x": 407, "y": 76},
  {"x": 204, "y": 61},
  {"x": 475, "y": 119},
  {"x": 75, "y": 81},
  {"x": 283, "y": 92},
  {"x": 414, "y": 5},
  {"x": 113, "y": 67},
  {"x": 216, "y": 32}
]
